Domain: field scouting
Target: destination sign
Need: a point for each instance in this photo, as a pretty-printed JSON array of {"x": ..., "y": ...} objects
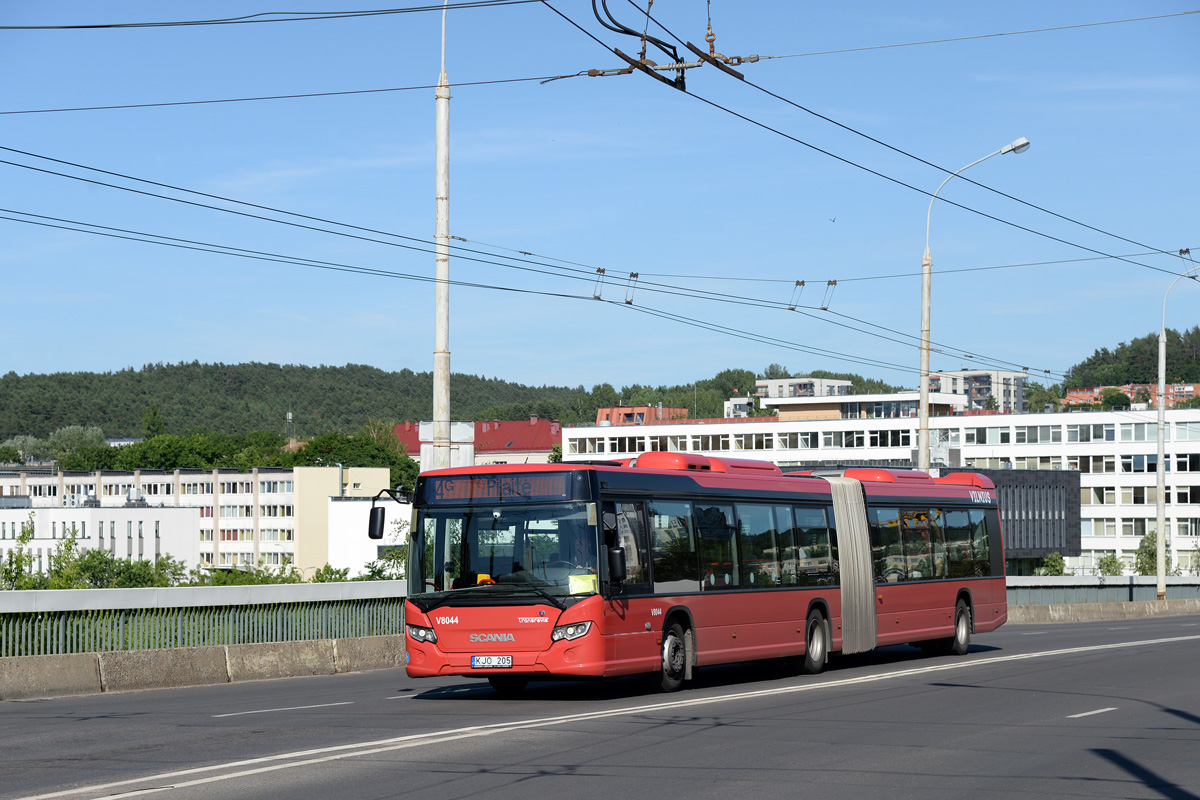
[{"x": 518, "y": 488}]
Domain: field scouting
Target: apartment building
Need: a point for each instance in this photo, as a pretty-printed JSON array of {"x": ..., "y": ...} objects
[
  {"x": 1114, "y": 452},
  {"x": 1007, "y": 388},
  {"x": 265, "y": 517},
  {"x": 1175, "y": 394}
]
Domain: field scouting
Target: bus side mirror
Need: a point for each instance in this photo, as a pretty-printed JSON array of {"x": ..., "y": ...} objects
[
  {"x": 616, "y": 565},
  {"x": 375, "y": 527}
]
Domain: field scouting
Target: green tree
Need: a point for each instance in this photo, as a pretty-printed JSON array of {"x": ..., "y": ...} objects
[
  {"x": 152, "y": 423},
  {"x": 1109, "y": 564},
  {"x": 1111, "y": 399},
  {"x": 1053, "y": 564},
  {"x": 555, "y": 454},
  {"x": 64, "y": 571},
  {"x": 990, "y": 403},
  {"x": 1039, "y": 397},
  {"x": 74, "y": 439},
  {"x": 1142, "y": 395},
  {"x": 1145, "y": 561},
  {"x": 16, "y": 570},
  {"x": 30, "y": 448},
  {"x": 328, "y": 574},
  {"x": 775, "y": 372},
  {"x": 10, "y": 455}
]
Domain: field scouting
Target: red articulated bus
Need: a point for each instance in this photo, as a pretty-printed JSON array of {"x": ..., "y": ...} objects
[{"x": 673, "y": 561}]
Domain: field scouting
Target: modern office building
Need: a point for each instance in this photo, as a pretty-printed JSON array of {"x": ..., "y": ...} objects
[{"x": 1114, "y": 452}]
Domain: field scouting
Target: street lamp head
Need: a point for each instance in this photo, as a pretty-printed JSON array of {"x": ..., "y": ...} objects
[{"x": 1019, "y": 146}]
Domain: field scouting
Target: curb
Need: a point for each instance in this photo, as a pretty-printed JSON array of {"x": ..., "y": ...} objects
[{"x": 40, "y": 677}]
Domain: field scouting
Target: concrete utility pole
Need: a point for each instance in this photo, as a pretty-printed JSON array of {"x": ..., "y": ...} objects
[{"x": 441, "y": 338}]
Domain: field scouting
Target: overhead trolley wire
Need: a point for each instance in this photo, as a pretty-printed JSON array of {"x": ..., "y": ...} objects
[
  {"x": 578, "y": 274},
  {"x": 208, "y": 247}
]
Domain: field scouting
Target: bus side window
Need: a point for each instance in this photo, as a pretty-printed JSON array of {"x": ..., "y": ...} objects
[
  {"x": 918, "y": 562},
  {"x": 673, "y": 547},
  {"x": 981, "y": 561},
  {"x": 631, "y": 535},
  {"x": 937, "y": 542},
  {"x": 756, "y": 546},
  {"x": 788, "y": 547},
  {"x": 957, "y": 529},
  {"x": 815, "y": 562},
  {"x": 886, "y": 552},
  {"x": 715, "y": 540}
]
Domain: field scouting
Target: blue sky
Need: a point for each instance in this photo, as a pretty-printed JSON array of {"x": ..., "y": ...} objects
[{"x": 615, "y": 172}]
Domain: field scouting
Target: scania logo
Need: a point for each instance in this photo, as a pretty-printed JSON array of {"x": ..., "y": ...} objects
[{"x": 492, "y": 637}]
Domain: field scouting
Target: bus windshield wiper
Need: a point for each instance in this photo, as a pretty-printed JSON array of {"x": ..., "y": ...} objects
[{"x": 493, "y": 589}]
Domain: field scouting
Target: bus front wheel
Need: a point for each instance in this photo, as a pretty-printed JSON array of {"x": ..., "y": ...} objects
[
  {"x": 816, "y": 643},
  {"x": 674, "y": 659}
]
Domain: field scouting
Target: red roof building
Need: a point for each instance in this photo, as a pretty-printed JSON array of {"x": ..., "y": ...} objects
[{"x": 525, "y": 441}]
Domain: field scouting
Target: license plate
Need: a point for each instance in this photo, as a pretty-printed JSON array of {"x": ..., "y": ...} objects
[{"x": 491, "y": 662}]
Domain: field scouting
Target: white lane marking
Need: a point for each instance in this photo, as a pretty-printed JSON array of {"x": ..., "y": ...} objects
[
  {"x": 337, "y": 752},
  {"x": 1189, "y": 624},
  {"x": 290, "y": 708},
  {"x": 1124, "y": 628},
  {"x": 1034, "y": 633},
  {"x": 1089, "y": 713}
]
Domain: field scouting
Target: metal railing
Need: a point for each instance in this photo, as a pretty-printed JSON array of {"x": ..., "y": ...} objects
[
  {"x": 95, "y": 620},
  {"x": 1071, "y": 589}
]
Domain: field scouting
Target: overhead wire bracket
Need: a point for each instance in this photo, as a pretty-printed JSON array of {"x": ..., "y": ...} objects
[
  {"x": 599, "y": 287},
  {"x": 797, "y": 290},
  {"x": 630, "y": 287},
  {"x": 829, "y": 287}
]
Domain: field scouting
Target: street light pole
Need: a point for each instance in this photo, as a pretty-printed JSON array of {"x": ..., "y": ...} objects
[
  {"x": 1019, "y": 146},
  {"x": 1161, "y": 532}
]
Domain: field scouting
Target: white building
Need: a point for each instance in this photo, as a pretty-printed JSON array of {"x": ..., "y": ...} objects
[
  {"x": 349, "y": 546},
  {"x": 1115, "y": 452},
  {"x": 130, "y": 533},
  {"x": 267, "y": 516}
]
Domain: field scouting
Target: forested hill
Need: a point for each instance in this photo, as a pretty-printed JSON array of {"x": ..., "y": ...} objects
[
  {"x": 1137, "y": 362},
  {"x": 240, "y": 398}
]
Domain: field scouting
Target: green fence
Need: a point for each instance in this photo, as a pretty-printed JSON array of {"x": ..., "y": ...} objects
[{"x": 88, "y": 621}]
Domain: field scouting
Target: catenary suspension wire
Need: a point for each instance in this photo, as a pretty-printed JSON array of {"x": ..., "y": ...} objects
[
  {"x": 272, "y": 16},
  {"x": 982, "y": 36},
  {"x": 288, "y": 96},
  {"x": 917, "y": 158}
]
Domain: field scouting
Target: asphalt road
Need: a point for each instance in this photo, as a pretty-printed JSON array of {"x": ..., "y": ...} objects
[{"x": 1100, "y": 709}]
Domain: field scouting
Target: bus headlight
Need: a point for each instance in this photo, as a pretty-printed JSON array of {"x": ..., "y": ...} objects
[
  {"x": 570, "y": 631},
  {"x": 421, "y": 634}
]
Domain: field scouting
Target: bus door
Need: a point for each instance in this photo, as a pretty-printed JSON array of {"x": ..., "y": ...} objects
[{"x": 631, "y": 630}]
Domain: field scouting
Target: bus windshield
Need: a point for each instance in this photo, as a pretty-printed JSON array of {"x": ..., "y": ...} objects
[{"x": 526, "y": 553}]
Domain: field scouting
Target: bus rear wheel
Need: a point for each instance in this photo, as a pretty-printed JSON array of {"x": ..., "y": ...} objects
[
  {"x": 674, "y": 659},
  {"x": 816, "y": 643},
  {"x": 961, "y": 641},
  {"x": 508, "y": 684}
]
